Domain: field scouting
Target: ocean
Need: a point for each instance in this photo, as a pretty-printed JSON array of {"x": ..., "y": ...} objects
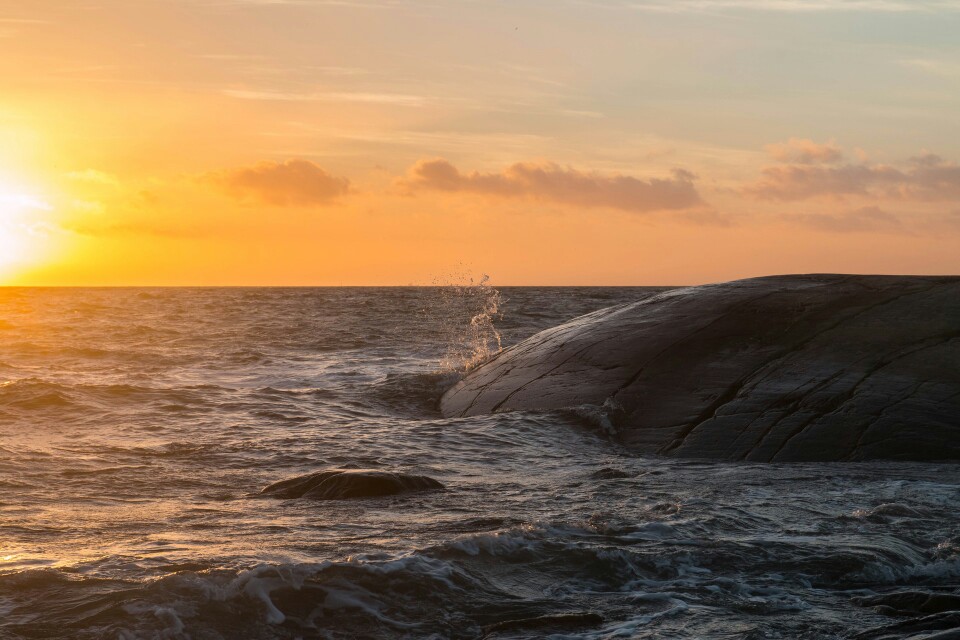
[{"x": 137, "y": 426}]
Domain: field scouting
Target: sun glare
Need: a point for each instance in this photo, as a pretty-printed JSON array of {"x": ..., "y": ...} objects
[{"x": 17, "y": 209}]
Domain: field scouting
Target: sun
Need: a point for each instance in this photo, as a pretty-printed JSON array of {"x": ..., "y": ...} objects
[{"x": 18, "y": 211}]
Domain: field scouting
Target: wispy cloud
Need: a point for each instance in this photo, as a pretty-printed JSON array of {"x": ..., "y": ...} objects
[
  {"x": 441, "y": 141},
  {"x": 552, "y": 182},
  {"x": 793, "y": 6},
  {"x": 15, "y": 202},
  {"x": 231, "y": 57},
  {"x": 133, "y": 227},
  {"x": 580, "y": 113},
  {"x": 865, "y": 219},
  {"x": 814, "y": 173},
  {"x": 804, "y": 151},
  {"x": 12, "y": 27},
  {"x": 395, "y": 99},
  {"x": 94, "y": 176},
  {"x": 874, "y": 219},
  {"x": 360, "y": 4},
  {"x": 933, "y": 67}
]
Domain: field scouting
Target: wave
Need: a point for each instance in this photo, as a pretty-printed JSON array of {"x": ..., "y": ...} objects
[
  {"x": 580, "y": 581},
  {"x": 31, "y": 394},
  {"x": 430, "y": 592},
  {"x": 362, "y": 596},
  {"x": 35, "y": 393},
  {"x": 415, "y": 395},
  {"x": 468, "y": 312}
]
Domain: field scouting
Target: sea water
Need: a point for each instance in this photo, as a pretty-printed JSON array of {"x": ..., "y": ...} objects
[{"x": 137, "y": 425}]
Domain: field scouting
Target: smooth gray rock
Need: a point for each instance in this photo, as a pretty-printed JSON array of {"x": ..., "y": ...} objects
[
  {"x": 781, "y": 368},
  {"x": 343, "y": 484}
]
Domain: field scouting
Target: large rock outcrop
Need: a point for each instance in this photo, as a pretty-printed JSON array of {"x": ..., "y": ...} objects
[{"x": 781, "y": 368}]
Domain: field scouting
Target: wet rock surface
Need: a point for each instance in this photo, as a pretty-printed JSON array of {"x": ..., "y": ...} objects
[
  {"x": 543, "y": 624},
  {"x": 941, "y": 626},
  {"x": 782, "y": 368},
  {"x": 344, "y": 484},
  {"x": 911, "y": 603}
]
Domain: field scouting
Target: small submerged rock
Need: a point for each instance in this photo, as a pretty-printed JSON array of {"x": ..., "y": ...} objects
[
  {"x": 344, "y": 484},
  {"x": 608, "y": 473}
]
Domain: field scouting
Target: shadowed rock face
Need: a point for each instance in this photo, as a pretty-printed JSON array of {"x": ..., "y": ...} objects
[
  {"x": 345, "y": 484},
  {"x": 905, "y": 603},
  {"x": 783, "y": 368}
]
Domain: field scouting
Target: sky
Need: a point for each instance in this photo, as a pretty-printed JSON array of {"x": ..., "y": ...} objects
[{"x": 560, "y": 142}]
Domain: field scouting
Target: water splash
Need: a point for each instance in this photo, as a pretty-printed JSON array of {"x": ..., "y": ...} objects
[{"x": 470, "y": 309}]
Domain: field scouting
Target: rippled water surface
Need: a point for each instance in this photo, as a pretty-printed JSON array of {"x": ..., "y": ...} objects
[{"x": 135, "y": 425}]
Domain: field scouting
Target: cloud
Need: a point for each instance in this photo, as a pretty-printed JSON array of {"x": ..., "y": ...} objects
[
  {"x": 939, "y": 68},
  {"x": 804, "y": 151},
  {"x": 13, "y": 202},
  {"x": 393, "y": 99},
  {"x": 873, "y": 219},
  {"x": 291, "y": 183},
  {"x": 709, "y": 218},
  {"x": 95, "y": 177},
  {"x": 160, "y": 229},
  {"x": 12, "y": 27},
  {"x": 795, "y": 6},
  {"x": 130, "y": 214},
  {"x": 950, "y": 221},
  {"x": 581, "y": 113},
  {"x": 360, "y": 4},
  {"x": 551, "y": 182},
  {"x": 925, "y": 178},
  {"x": 864, "y": 219}
]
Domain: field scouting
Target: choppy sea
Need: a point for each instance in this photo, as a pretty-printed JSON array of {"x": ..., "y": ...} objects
[{"x": 136, "y": 425}]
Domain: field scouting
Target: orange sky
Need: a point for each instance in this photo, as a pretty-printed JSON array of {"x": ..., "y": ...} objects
[{"x": 309, "y": 142}]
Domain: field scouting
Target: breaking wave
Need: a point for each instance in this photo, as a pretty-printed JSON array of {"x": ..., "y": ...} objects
[{"x": 469, "y": 310}]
